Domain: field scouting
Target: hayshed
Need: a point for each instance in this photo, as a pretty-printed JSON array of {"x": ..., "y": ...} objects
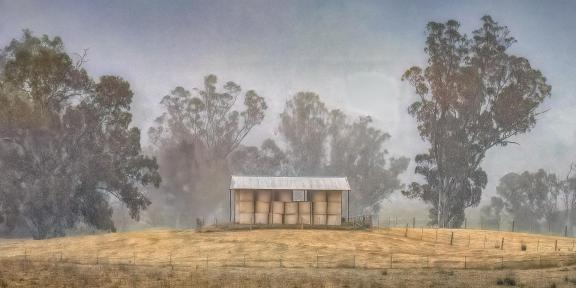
[{"x": 288, "y": 200}]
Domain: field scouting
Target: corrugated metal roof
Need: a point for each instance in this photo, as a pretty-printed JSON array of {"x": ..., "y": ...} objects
[{"x": 290, "y": 183}]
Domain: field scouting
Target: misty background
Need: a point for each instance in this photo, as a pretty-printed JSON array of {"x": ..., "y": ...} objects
[{"x": 351, "y": 53}]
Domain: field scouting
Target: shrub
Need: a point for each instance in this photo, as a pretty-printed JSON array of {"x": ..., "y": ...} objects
[
  {"x": 523, "y": 247},
  {"x": 509, "y": 280}
]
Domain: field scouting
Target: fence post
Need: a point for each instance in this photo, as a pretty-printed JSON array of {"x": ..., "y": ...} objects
[
  {"x": 538, "y": 246},
  {"x": 451, "y": 238},
  {"x": 565, "y": 230},
  {"x": 406, "y": 231},
  {"x": 436, "y": 235},
  {"x": 513, "y": 222},
  {"x": 556, "y": 245},
  {"x": 468, "y": 240},
  {"x": 317, "y": 260},
  {"x": 422, "y": 233},
  {"x": 413, "y": 222},
  {"x": 484, "y": 240},
  {"x": 465, "y": 262},
  {"x": 465, "y": 223},
  {"x": 502, "y": 245}
]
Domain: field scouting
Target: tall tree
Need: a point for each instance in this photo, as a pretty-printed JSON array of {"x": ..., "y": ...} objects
[
  {"x": 323, "y": 142},
  {"x": 67, "y": 144},
  {"x": 357, "y": 151},
  {"x": 568, "y": 198},
  {"x": 473, "y": 96},
  {"x": 303, "y": 125},
  {"x": 193, "y": 138}
]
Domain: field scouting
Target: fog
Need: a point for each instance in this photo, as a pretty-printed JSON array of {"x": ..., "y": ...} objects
[{"x": 352, "y": 53}]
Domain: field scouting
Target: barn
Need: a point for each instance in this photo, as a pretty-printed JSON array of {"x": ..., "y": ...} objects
[{"x": 289, "y": 200}]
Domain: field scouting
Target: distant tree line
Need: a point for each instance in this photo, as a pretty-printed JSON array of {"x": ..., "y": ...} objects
[
  {"x": 537, "y": 201},
  {"x": 198, "y": 142}
]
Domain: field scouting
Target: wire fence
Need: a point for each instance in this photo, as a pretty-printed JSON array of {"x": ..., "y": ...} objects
[
  {"x": 68, "y": 273},
  {"x": 504, "y": 260}
]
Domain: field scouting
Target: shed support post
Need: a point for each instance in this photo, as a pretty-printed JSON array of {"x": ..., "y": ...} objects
[
  {"x": 348, "y": 206},
  {"x": 230, "y": 204}
]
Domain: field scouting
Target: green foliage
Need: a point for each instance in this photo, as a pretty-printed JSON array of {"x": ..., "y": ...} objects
[
  {"x": 66, "y": 145},
  {"x": 472, "y": 95}
]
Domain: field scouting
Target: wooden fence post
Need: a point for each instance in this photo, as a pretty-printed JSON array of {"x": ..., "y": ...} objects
[
  {"x": 556, "y": 245},
  {"x": 468, "y": 240},
  {"x": 451, "y": 238},
  {"x": 422, "y": 233},
  {"x": 413, "y": 222},
  {"x": 464, "y": 262},
  {"x": 502, "y": 245},
  {"x": 538, "y": 246},
  {"x": 406, "y": 231},
  {"x": 513, "y": 222}
]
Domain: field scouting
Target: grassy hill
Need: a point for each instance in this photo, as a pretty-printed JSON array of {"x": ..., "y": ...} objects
[
  {"x": 290, "y": 258},
  {"x": 386, "y": 248}
]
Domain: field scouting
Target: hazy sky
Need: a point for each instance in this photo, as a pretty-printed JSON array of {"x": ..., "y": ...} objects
[{"x": 350, "y": 52}]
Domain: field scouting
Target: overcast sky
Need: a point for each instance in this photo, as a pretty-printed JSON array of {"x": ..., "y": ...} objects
[{"x": 350, "y": 52}]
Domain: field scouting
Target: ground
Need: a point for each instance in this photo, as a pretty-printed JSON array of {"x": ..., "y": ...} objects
[{"x": 293, "y": 258}]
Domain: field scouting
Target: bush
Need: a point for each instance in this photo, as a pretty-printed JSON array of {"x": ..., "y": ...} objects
[
  {"x": 523, "y": 247},
  {"x": 509, "y": 280}
]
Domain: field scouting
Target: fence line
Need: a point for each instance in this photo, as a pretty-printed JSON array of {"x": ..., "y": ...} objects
[{"x": 353, "y": 261}]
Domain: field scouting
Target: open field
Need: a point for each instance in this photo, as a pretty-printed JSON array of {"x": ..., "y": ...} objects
[{"x": 262, "y": 255}]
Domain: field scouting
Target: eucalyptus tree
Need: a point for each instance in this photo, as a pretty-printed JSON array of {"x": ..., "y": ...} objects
[
  {"x": 193, "y": 138},
  {"x": 67, "y": 147},
  {"x": 473, "y": 95}
]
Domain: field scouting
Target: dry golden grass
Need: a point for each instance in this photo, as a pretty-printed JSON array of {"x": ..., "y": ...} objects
[{"x": 305, "y": 248}]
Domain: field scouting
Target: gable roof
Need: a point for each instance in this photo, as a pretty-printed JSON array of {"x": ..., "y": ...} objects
[{"x": 289, "y": 183}]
